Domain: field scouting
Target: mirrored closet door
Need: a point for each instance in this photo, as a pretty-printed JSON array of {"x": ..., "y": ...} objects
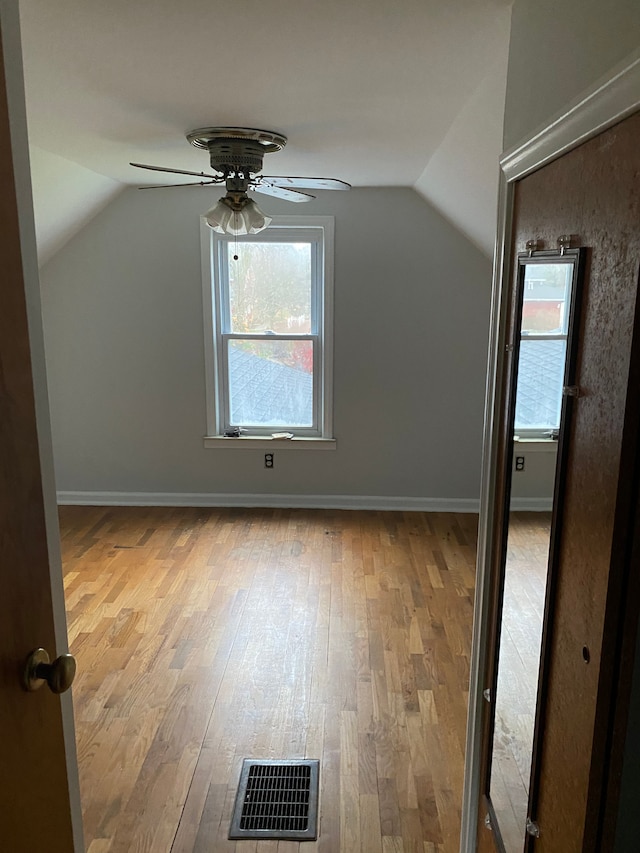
[{"x": 542, "y": 349}]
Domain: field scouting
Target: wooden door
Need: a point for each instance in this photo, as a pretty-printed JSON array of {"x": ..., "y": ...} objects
[
  {"x": 37, "y": 729},
  {"x": 593, "y": 193}
]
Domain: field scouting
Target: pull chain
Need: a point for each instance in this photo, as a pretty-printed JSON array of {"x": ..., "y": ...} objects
[{"x": 235, "y": 236}]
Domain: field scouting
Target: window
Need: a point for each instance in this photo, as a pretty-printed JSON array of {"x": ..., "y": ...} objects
[
  {"x": 268, "y": 323},
  {"x": 543, "y": 348}
]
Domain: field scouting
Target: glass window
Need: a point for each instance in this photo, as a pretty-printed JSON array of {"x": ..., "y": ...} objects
[
  {"x": 269, "y": 341},
  {"x": 271, "y": 383},
  {"x": 543, "y": 345},
  {"x": 270, "y": 287}
]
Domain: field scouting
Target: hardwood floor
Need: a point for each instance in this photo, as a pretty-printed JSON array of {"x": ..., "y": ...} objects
[
  {"x": 207, "y": 636},
  {"x": 519, "y": 663}
]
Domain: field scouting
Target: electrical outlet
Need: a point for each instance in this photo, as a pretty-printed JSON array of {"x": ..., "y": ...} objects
[
  {"x": 268, "y": 460},
  {"x": 519, "y": 463}
]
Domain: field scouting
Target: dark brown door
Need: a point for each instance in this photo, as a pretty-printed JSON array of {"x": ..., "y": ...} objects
[
  {"x": 36, "y": 815},
  {"x": 592, "y": 193}
]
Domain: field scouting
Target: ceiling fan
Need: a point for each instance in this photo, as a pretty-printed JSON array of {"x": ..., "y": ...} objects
[{"x": 236, "y": 155}]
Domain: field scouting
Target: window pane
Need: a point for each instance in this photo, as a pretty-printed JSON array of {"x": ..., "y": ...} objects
[
  {"x": 270, "y": 287},
  {"x": 545, "y": 307},
  {"x": 540, "y": 377},
  {"x": 271, "y": 383}
]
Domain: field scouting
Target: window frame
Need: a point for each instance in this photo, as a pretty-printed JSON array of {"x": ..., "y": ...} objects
[{"x": 317, "y": 230}]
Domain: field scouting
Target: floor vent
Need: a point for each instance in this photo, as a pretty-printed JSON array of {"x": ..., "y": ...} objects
[{"x": 276, "y": 799}]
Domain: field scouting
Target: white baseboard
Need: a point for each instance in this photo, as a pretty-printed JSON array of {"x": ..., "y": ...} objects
[
  {"x": 532, "y": 504},
  {"x": 373, "y": 502}
]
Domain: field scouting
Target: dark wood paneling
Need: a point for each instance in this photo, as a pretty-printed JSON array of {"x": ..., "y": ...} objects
[{"x": 623, "y": 611}]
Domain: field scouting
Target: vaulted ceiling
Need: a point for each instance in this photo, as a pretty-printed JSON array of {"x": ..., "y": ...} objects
[{"x": 375, "y": 92}]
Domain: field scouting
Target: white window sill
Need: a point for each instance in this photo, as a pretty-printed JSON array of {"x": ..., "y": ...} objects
[{"x": 259, "y": 442}]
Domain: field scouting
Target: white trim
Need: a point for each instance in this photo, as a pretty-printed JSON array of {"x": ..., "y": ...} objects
[
  {"x": 256, "y": 442},
  {"x": 611, "y": 99},
  {"x": 480, "y": 636},
  {"x": 211, "y": 368},
  {"x": 372, "y": 502},
  {"x": 326, "y": 338}
]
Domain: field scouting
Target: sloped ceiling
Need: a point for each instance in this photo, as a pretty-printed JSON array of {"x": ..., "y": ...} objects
[
  {"x": 65, "y": 196},
  {"x": 374, "y": 92},
  {"x": 461, "y": 177}
]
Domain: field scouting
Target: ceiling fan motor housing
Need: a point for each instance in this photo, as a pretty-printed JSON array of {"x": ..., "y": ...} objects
[
  {"x": 236, "y": 155},
  {"x": 237, "y": 149}
]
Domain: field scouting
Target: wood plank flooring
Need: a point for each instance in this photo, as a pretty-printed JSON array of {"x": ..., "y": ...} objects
[
  {"x": 204, "y": 636},
  {"x": 518, "y": 669}
]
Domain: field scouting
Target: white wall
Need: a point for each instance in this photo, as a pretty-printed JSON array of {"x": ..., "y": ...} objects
[
  {"x": 557, "y": 51},
  {"x": 532, "y": 488},
  {"x": 123, "y": 331}
]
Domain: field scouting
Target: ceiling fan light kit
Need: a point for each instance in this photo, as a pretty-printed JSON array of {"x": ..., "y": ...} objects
[
  {"x": 237, "y": 215},
  {"x": 236, "y": 154}
]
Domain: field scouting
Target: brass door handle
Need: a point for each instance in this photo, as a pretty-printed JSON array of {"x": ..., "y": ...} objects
[{"x": 58, "y": 675}]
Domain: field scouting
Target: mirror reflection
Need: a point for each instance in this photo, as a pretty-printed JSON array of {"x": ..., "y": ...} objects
[
  {"x": 543, "y": 348},
  {"x": 545, "y": 288}
]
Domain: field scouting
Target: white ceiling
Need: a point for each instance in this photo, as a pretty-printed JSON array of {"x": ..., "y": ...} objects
[
  {"x": 65, "y": 195},
  {"x": 366, "y": 90}
]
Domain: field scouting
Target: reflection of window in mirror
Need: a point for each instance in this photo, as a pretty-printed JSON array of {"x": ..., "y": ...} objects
[{"x": 543, "y": 347}]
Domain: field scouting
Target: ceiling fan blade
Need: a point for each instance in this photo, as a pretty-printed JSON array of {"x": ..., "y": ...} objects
[
  {"x": 167, "y": 186},
  {"x": 281, "y": 192},
  {"x": 306, "y": 183},
  {"x": 215, "y": 178}
]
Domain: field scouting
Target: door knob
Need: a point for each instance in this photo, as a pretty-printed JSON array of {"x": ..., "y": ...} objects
[{"x": 59, "y": 675}]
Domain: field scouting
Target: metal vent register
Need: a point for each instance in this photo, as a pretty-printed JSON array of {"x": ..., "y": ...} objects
[{"x": 276, "y": 799}]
